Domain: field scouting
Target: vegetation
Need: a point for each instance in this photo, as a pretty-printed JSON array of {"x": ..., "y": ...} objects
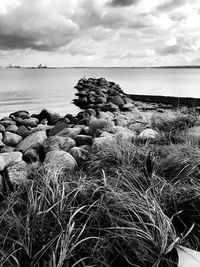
[{"x": 129, "y": 205}]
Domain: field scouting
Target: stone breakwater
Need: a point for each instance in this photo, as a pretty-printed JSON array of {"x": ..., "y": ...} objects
[{"x": 63, "y": 143}]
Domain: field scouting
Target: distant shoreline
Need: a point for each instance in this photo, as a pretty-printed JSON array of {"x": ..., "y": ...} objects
[{"x": 110, "y": 67}]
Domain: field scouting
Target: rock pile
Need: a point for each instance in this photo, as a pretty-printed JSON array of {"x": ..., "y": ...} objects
[
  {"x": 63, "y": 144},
  {"x": 101, "y": 94}
]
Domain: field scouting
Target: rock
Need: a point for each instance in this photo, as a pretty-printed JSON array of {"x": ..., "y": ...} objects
[
  {"x": 1, "y": 136},
  {"x": 100, "y": 125},
  {"x": 30, "y": 155},
  {"x": 12, "y": 128},
  {"x": 6, "y": 119},
  {"x": 101, "y": 143},
  {"x": 80, "y": 154},
  {"x": 7, "y": 158},
  {"x": 127, "y": 100},
  {"x": 17, "y": 173},
  {"x": 18, "y": 120},
  {"x": 105, "y": 115},
  {"x": 59, "y": 161},
  {"x": 54, "y": 143},
  {"x": 70, "y": 132},
  {"x": 23, "y": 114},
  {"x": 101, "y": 100},
  {"x": 117, "y": 100},
  {"x": 83, "y": 140},
  {"x": 149, "y": 134},
  {"x": 23, "y": 131},
  {"x": 6, "y": 123},
  {"x": 128, "y": 107},
  {"x": 105, "y": 134},
  {"x": 31, "y": 122},
  {"x": 60, "y": 125},
  {"x": 40, "y": 127},
  {"x": 11, "y": 139},
  {"x": 1, "y": 144},
  {"x": 2, "y": 128},
  {"x": 84, "y": 121},
  {"x": 32, "y": 141},
  {"x": 110, "y": 107},
  {"x": 7, "y": 149},
  {"x": 121, "y": 120},
  {"x": 52, "y": 117}
]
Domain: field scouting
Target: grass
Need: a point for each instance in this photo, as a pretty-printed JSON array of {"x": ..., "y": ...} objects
[{"x": 129, "y": 205}]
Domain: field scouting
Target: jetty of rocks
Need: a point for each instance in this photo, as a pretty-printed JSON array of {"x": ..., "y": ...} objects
[{"x": 63, "y": 143}]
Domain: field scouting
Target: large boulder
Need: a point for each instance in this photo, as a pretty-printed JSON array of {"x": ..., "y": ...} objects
[
  {"x": 59, "y": 161},
  {"x": 32, "y": 141},
  {"x": 23, "y": 131},
  {"x": 11, "y": 139},
  {"x": 10, "y": 157},
  {"x": 54, "y": 143},
  {"x": 99, "y": 125},
  {"x": 31, "y": 122},
  {"x": 117, "y": 100}
]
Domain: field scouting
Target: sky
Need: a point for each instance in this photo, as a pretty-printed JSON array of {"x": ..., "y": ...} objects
[{"x": 101, "y": 33}]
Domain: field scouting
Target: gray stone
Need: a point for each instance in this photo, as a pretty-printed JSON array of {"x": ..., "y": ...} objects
[
  {"x": 110, "y": 107},
  {"x": 105, "y": 115},
  {"x": 60, "y": 125},
  {"x": 117, "y": 100},
  {"x": 1, "y": 144},
  {"x": 59, "y": 161},
  {"x": 7, "y": 149},
  {"x": 11, "y": 139},
  {"x": 30, "y": 155},
  {"x": 2, "y": 128},
  {"x": 54, "y": 143},
  {"x": 1, "y": 136},
  {"x": 102, "y": 143},
  {"x": 17, "y": 173},
  {"x": 23, "y": 131},
  {"x": 80, "y": 154},
  {"x": 23, "y": 114},
  {"x": 99, "y": 125},
  {"x": 70, "y": 132},
  {"x": 12, "y": 128},
  {"x": 7, "y": 158},
  {"x": 149, "y": 134},
  {"x": 127, "y": 100},
  {"x": 31, "y": 122},
  {"x": 128, "y": 107},
  {"x": 32, "y": 141},
  {"x": 6, "y": 123}
]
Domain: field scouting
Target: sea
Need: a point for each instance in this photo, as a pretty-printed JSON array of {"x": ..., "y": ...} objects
[{"x": 35, "y": 89}]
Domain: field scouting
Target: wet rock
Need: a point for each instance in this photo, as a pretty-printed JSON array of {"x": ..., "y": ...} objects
[
  {"x": 23, "y": 114},
  {"x": 32, "y": 141},
  {"x": 54, "y": 143},
  {"x": 80, "y": 154},
  {"x": 11, "y": 139},
  {"x": 100, "y": 125},
  {"x": 12, "y": 128},
  {"x": 83, "y": 140},
  {"x": 149, "y": 134},
  {"x": 59, "y": 161}
]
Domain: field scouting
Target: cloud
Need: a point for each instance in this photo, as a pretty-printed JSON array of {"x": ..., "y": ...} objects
[
  {"x": 36, "y": 25},
  {"x": 121, "y": 3}
]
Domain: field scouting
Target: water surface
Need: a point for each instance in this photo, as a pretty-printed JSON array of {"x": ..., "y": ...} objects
[{"x": 35, "y": 89}]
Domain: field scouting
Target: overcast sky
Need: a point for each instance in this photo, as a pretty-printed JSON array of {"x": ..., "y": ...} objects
[{"x": 99, "y": 32}]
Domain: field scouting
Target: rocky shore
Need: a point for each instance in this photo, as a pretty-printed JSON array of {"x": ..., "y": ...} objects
[{"x": 63, "y": 143}]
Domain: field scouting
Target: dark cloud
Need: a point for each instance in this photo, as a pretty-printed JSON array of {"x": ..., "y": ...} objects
[
  {"x": 172, "y": 4},
  {"x": 121, "y": 3},
  {"x": 169, "y": 50}
]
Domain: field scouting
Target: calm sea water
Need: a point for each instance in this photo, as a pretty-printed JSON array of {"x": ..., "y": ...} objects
[{"x": 35, "y": 89}]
